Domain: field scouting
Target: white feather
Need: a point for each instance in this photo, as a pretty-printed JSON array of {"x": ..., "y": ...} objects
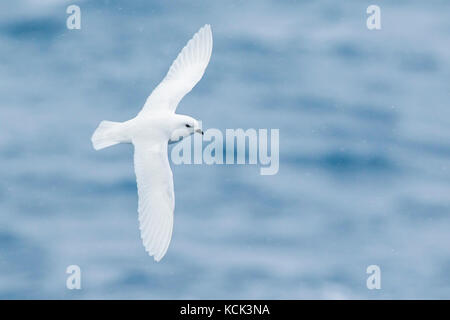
[
  {"x": 184, "y": 73},
  {"x": 156, "y": 197}
]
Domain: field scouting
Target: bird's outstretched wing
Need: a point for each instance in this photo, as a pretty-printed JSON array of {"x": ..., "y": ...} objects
[
  {"x": 156, "y": 197},
  {"x": 183, "y": 75}
]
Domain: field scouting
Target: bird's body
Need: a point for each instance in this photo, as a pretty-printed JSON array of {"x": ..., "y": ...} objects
[{"x": 150, "y": 131}]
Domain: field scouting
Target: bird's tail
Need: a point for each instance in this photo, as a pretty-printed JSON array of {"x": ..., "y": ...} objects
[{"x": 108, "y": 133}]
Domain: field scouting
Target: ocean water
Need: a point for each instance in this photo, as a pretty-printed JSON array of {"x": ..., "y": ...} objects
[{"x": 364, "y": 174}]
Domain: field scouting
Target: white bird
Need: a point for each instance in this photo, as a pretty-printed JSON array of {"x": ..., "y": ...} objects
[{"x": 150, "y": 131}]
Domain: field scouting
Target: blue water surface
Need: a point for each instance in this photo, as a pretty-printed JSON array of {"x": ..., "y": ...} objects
[{"x": 364, "y": 175}]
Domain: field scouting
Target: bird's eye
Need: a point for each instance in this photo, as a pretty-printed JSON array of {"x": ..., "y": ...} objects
[{"x": 188, "y": 126}]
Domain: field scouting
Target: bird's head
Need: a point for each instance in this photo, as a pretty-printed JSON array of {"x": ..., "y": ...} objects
[{"x": 184, "y": 126}]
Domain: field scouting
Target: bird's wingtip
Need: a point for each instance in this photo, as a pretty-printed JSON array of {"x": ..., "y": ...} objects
[{"x": 158, "y": 257}]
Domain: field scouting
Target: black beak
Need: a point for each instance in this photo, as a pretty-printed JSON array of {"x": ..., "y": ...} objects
[{"x": 199, "y": 131}]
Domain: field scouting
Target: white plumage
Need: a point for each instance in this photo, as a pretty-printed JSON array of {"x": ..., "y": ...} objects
[
  {"x": 150, "y": 131},
  {"x": 184, "y": 73}
]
